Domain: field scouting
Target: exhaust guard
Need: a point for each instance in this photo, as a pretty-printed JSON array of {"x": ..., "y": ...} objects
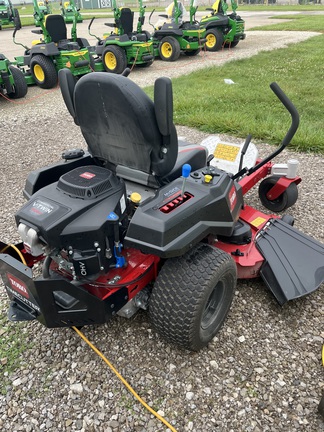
[{"x": 55, "y": 302}]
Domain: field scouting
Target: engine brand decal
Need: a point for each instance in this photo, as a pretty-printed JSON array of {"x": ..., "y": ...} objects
[
  {"x": 18, "y": 285},
  {"x": 41, "y": 207},
  {"x": 232, "y": 198},
  {"x": 87, "y": 175}
]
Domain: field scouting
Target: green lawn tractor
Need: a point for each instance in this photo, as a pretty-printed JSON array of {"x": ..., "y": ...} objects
[
  {"x": 222, "y": 30},
  {"x": 175, "y": 35},
  {"x": 53, "y": 52},
  {"x": 45, "y": 9},
  {"x": 8, "y": 14},
  {"x": 123, "y": 46},
  {"x": 67, "y": 11},
  {"x": 12, "y": 80}
]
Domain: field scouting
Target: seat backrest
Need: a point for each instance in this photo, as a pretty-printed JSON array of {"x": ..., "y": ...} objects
[
  {"x": 126, "y": 20},
  {"x": 122, "y": 126},
  {"x": 56, "y": 27}
]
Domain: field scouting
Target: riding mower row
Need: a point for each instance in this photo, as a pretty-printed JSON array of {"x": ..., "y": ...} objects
[
  {"x": 144, "y": 220},
  {"x": 9, "y": 14},
  {"x": 41, "y": 63},
  {"x": 12, "y": 80},
  {"x": 222, "y": 30},
  {"x": 124, "y": 46}
]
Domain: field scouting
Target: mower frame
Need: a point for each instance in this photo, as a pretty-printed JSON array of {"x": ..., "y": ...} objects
[{"x": 192, "y": 237}]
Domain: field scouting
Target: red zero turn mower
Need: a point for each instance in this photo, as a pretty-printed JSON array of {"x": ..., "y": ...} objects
[{"x": 144, "y": 220}]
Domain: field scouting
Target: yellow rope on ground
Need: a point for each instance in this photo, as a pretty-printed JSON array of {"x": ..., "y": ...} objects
[{"x": 124, "y": 381}]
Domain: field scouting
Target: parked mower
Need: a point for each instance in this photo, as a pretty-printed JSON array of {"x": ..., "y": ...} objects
[
  {"x": 222, "y": 30},
  {"x": 53, "y": 52},
  {"x": 176, "y": 35},
  {"x": 44, "y": 8},
  {"x": 143, "y": 220},
  {"x": 8, "y": 14},
  {"x": 12, "y": 80},
  {"x": 123, "y": 46},
  {"x": 68, "y": 12}
]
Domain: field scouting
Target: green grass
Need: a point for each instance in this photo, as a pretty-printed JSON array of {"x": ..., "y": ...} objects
[
  {"x": 12, "y": 347},
  {"x": 296, "y": 23},
  {"x": 203, "y": 101}
]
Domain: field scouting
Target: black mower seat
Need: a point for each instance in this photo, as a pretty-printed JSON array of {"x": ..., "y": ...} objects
[
  {"x": 56, "y": 27},
  {"x": 126, "y": 20},
  {"x": 125, "y": 130}
]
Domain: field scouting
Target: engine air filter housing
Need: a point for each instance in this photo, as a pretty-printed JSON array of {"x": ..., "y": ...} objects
[{"x": 87, "y": 182}]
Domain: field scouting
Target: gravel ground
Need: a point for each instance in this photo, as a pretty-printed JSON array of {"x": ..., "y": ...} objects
[{"x": 261, "y": 373}]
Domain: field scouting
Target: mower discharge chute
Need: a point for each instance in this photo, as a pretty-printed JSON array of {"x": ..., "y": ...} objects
[
  {"x": 9, "y": 14},
  {"x": 222, "y": 29},
  {"x": 124, "y": 46},
  {"x": 55, "y": 51},
  {"x": 12, "y": 80},
  {"x": 144, "y": 220},
  {"x": 175, "y": 35}
]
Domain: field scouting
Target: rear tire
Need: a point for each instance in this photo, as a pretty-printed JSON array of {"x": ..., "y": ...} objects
[
  {"x": 214, "y": 40},
  {"x": 114, "y": 59},
  {"x": 284, "y": 201},
  {"x": 43, "y": 71},
  {"x": 20, "y": 84},
  {"x": 192, "y": 296},
  {"x": 169, "y": 49}
]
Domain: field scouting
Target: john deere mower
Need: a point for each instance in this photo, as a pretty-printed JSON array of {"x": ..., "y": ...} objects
[
  {"x": 44, "y": 8},
  {"x": 124, "y": 46},
  {"x": 144, "y": 220},
  {"x": 175, "y": 35},
  {"x": 68, "y": 12},
  {"x": 8, "y": 14},
  {"x": 53, "y": 52},
  {"x": 12, "y": 80},
  {"x": 222, "y": 30}
]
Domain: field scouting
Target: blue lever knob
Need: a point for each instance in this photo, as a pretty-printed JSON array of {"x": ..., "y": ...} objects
[{"x": 186, "y": 170}]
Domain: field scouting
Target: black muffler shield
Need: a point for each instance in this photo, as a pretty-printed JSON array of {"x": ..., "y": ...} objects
[{"x": 294, "y": 262}]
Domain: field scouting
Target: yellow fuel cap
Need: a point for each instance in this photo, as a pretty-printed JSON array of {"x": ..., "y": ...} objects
[
  {"x": 208, "y": 178},
  {"x": 135, "y": 198}
]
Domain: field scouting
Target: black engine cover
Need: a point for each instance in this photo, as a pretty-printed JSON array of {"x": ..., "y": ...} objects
[{"x": 79, "y": 210}]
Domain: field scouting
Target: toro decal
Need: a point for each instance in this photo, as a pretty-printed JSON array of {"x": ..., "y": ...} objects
[
  {"x": 17, "y": 285},
  {"x": 232, "y": 198},
  {"x": 87, "y": 175}
]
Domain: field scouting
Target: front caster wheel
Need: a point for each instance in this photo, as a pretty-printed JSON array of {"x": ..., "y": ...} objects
[
  {"x": 192, "y": 296},
  {"x": 283, "y": 201}
]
